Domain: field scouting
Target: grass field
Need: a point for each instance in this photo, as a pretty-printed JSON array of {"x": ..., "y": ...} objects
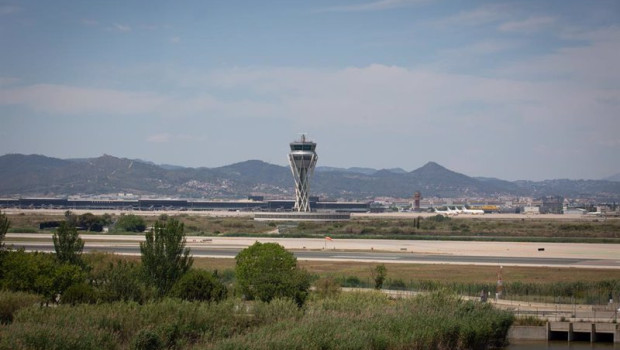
[
  {"x": 344, "y": 321},
  {"x": 445, "y": 273},
  {"x": 437, "y": 227}
]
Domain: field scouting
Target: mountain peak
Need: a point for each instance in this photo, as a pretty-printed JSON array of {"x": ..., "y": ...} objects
[{"x": 432, "y": 165}]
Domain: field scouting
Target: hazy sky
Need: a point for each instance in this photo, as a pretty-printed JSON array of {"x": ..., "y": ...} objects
[{"x": 514, "y": 89}]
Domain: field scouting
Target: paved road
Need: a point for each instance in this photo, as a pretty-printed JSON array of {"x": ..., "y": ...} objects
[{"x": 132, "y": 248}]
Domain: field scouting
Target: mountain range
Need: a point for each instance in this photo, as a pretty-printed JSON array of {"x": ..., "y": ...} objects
[{"x": 37, "y": 175}]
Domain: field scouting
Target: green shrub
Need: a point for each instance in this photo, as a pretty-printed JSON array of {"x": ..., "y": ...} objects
[
  {"x": 80, "y": 293},
  {"x": 327, "y": 287},
  {"x": 39, "y": 273},
  {"x": 352, "y": 282},
  {"x": 130, "y": 223},
  {"x": 267, "y": 271},
  {"x": 122, "y": 282},
  {"x": 11, "y": 302},
  {"x": 146, "y": 339},
  {"x": 23, "y": 230},
  {"x": 199, "y": 285},
  {"x": 372, "y": 321},
  {"x": 349, "y": 320},
  {"x": 397, "y": 284}
]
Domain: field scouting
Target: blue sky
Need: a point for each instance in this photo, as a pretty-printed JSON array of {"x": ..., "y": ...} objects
[{"x": 514, "y": 90}]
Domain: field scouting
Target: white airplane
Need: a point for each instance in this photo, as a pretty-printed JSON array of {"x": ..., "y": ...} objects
[
  {"x": 447, "y": 212},
  {"x": 457, "y": 210},
  {"x": 453, "y": 212},
  {"x": 472, "y": 211}
]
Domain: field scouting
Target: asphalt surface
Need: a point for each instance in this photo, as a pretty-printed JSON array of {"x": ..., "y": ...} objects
[{"x": 339, "y": 255}]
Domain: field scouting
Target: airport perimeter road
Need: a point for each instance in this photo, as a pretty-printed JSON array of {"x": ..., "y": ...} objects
[{"x": 387, "y": 251}]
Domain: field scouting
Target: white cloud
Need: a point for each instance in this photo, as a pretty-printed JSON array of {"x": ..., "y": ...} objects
[
  {"x": 167, "y": 138},
  {"x": 123, "y": 28},
  {"x": 71, "y": 100},
  {"x": 373, "y": 6},
  {"x": 485, "y": 47},
  {"x": 482, "y": 15},
  {"x": 159, "y": 138},
  {"x": 529, "y": 25},
  {"x": 62, "y": 99},
  {"x": 89, "y": 22},
  {"x": 593, "y": 63}
]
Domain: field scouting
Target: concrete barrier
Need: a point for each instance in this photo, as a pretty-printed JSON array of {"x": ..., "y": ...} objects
[{"x": 527, "y": 333}]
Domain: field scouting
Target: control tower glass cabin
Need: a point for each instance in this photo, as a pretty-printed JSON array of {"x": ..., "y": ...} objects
[{"x": 302, "y": 160}]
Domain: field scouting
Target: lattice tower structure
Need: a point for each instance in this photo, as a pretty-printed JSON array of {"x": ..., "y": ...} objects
[{"x": 302, "y": 160}]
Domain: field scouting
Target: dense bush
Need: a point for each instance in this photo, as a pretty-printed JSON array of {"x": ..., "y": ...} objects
[
  {"x": 121, "y": 281},
  {"x": 397, "y": 284},
  {"x": 371, "y": 321},
  {"x": 10, "y": 302},
  {"x": 351, "y": 320},
  {"x": 38, "y": 273},
  {"x": 147, "y": 339},
  {"x": 80, "y": 293},
  {"x": 130, "y": 223},
  {"x": 199, "y": 285},
  {"x": 267, "y": 271},
  {"x": 327, "y": 287}
]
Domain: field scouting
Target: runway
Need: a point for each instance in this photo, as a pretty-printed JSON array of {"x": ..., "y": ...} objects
[{"x": 385, "y": 251}]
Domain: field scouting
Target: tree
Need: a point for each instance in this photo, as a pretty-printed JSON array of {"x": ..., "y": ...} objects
[
  {"x": 164, "y": 256},
  {"x": 91, "y": 222},
  {"x": 121, "y": 282},
  {"x": 40, "y": 273},
  {"x": 378, "y": 274},
  {"x": 130, "y": 223},
  {"x": 68, "y": 244},
  {"x": 266, "y": 271},
  {"x": 4, "y": 227}
]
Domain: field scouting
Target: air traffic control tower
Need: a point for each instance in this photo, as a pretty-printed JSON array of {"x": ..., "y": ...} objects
[{"x": 302, "y": 159}]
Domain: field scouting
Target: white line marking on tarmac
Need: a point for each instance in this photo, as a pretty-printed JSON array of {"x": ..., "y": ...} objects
[{"x": 364, "y": 257}]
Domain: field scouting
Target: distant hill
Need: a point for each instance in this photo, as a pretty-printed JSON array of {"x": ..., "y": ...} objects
[
  {"x": 37, "y": 175},
  {"x": 613, "y": 177}
]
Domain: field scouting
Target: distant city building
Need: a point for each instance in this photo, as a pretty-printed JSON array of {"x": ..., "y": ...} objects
[
  {"x": 552, "y": 205},
  {"x": 416, "y": 201},
  {"x": 531, "y": 210}
]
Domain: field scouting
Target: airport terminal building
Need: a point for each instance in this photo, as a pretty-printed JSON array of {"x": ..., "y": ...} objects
[{"x": 258, "y": 205}]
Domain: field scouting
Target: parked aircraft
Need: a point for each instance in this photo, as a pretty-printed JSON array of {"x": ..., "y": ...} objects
[
  {"x": 598, "y": 212},
  {"x": 447, "y": 212},
  {"x": 472, "y": 211}
]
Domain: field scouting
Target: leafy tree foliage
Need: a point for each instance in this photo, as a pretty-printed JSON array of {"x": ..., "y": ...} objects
[
  {"x": 130, "y": 223},
  {"x": 267, "y": 271},
  {"x": 378, "y": 274},
  {"x": 94, "y": 223},
  {"x": 122, "y": 282},
  {"x": 199, "y": 285},
  {"x": 39, "y": 273},
  {"x": 81, "y": 293},
  {"x": 4, "y": 227},
  {"x": 164, "y": 256},
  {"x": 68, "y": 244}
]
